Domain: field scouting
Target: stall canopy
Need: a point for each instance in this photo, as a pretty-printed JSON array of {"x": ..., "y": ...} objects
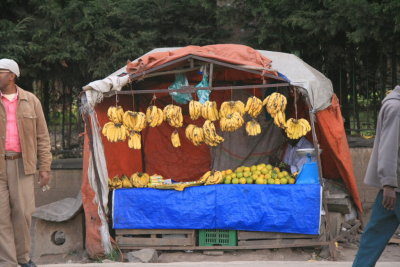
[{"x": 336, "y": 159}]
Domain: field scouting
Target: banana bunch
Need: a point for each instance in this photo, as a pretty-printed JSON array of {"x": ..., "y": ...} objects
[
  {"x": 134, "y": 140},
  {"x": 140, "y": 179},
  {"x": 173, "y": 115},
  {"x": 154, "y": 116},
  {"x": 275, "y": 102},
  {"x": 195, "y": 108},
  {"x": 211, "y": 137},
  {"x": 280, "y": 119},
  {"x": 134, "y": 121},
  {"x": 204, "y": 178},
  {"x": 114, "y": 183},
  {"x": 254, "y": 106},
  {"x": 230, "y": 107},
  {"x": 115, "y": 114},
  {"x": 231, "y": 113},
  {"x": 126, "y": 183},
  {"x": 276, "y": 105},
  {"x": 209, "y": 111},
  {"x": 296, "y": 129},
  {"x": 253, "y": 128},
  {"x": 231, "y": 122},
  {"x": 194, "y": 134},
  {"x": 176, "y": 142},
  {"x": 114, "y": 131},
  {"x": 214, "y": 178}
]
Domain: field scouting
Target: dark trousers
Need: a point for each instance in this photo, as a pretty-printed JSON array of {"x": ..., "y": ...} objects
[{"x": 380, "y": 229}]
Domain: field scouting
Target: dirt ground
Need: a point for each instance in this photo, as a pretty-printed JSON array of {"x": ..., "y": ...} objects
[{"x": 346, "y": 252}]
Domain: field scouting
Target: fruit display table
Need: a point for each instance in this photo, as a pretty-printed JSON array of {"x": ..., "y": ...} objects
[{"x": 291, "y": 208}]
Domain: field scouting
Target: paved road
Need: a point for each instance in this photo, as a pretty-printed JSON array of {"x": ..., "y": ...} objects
[{"x": 223, "y": 264}]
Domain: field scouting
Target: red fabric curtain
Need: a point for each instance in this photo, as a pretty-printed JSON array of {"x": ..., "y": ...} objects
[
  {"x": 336, "y": 157},
  {"x": 120, "y": 158}
]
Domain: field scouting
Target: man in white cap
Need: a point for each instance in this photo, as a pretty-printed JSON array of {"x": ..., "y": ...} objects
[{"x": 24, "y": 145}]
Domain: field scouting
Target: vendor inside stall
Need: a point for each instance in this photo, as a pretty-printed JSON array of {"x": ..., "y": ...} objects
[{"x": 293, "y": 159}]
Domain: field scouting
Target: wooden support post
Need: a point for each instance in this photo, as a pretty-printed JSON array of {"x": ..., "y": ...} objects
[{"x": 330, "y": 239}]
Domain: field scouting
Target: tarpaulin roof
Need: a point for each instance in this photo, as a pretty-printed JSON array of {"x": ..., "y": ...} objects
[{"x": 318, "y": 87}]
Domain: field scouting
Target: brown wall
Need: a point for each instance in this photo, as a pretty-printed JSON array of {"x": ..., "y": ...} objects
[{"x": 360, "y": 158}]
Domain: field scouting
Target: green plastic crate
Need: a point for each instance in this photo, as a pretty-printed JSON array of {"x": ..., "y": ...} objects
[{"x": 208, "y": 238}]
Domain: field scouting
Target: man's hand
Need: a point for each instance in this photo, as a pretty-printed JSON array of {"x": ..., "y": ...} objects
[
  {"x": 44, "y": 178},
  {"x": 389, "y": 197}
]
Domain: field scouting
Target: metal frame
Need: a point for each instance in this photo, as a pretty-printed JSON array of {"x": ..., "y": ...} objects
[
  {"x": 191, "y": 89},
  {"x": 142, "y": 74}
]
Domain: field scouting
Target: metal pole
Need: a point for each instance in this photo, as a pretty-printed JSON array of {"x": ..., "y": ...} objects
[
  {"x": 331, "y": 241},
  {"x": 192, "y": 89}
]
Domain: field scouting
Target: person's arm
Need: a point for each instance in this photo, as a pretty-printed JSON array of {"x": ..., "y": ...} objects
[
  {"x": 43, "y": 146},
  {"x": 300, "y": 162},
  {"x": 388, "y": 152}
]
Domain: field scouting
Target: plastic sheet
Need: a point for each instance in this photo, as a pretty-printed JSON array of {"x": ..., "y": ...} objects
[
  {"x": 180, "y": 81},
  {"x": 271, "y": 208},
  {"x": 203, "y": 95}
]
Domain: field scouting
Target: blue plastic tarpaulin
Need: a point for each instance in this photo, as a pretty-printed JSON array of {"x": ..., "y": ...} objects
[{"x": 271, "y": 208}]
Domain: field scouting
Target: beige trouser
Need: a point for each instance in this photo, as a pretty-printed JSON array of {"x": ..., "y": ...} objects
[{"x": 17, "y": 203}]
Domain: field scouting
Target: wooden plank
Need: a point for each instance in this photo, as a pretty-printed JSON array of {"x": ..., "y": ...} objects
[
  {"x": 246, "y": 235},
  {"x": 148, "y": 237},
  {"x": 149, "y": 242},
  {"x": 249, "y": 247},
  {"x": 339, "y": 205},
  {"x": 272, "y": 242},
  {"x": 394, "y": 240},
  {"x": 153, "y": 231},
  {"x": 343, "y": 235}
]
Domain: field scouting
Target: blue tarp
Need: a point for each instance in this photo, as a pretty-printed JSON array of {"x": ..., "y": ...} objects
[{"x": 271, "y": 208}]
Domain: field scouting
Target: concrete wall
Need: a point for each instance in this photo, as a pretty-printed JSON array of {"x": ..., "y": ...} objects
[{"x": 66, "y": 182}]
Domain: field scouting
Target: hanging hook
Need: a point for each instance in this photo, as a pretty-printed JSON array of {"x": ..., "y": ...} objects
[
  {"x": 116, "y": 98},
  {"x": 153, "y": 100},
  {"x": 133, "y": 98},
  {"x": 295, "y": 102}
]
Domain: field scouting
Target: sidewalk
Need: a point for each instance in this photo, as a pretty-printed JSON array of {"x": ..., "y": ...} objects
[{"x": 223, "y": 264}]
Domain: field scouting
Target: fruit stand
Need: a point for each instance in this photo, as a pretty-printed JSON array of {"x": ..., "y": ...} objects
[{"x": 185, "y": 139}]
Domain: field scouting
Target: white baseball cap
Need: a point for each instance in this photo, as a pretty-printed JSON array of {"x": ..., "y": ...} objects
[{"x": 10, "y": 65}]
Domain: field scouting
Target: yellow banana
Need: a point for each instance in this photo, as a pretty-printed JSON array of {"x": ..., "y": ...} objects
[
  {"x": 274, "y": 103},
  {"x": 296, "y": 129},
  {"x": 253, "y": 106},
  {"x": 176, "y": 142},
  {"x": 253, "y": 128},
  {"x": 134, "y": 140},
  {"x": 154, "y": 116},
  {"x": 205, "y": 176},
  {"x": 195, "y": 109},
  {"x": 211, "y": 137},
  {"x": 173, "y": 115}
]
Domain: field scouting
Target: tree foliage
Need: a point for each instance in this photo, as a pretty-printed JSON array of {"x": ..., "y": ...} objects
[{"x": 63, "y": 44}]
